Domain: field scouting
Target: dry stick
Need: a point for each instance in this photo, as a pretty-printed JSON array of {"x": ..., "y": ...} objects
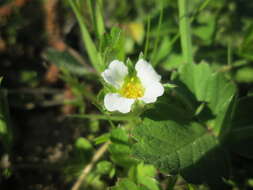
[
  {"x": 53, "y": 35},
  {"x": 52, "y": 25},
  {"x": 88, "y": 168}
]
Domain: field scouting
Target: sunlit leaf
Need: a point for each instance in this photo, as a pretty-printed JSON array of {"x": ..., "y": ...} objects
[
  {"x": 125, "y": 184},
  {"x": 210, "y": 87},
  {"x": 244, "y": 74}
]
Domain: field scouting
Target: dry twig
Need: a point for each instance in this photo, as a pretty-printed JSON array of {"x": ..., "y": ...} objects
[{"x": 88, "y": 168}]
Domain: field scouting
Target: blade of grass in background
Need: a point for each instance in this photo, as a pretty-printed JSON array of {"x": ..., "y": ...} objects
[
  {"x": 96, "y": 8},
  {"x": 154, "y": 53},
  {"x": 204, "y": 4},
  {"x": 93, "y": 54},
  {"x": 147, "y": 38},
  {"x": 185, "y": 31},
  {"x": 229, "y": 53},
  {"x": 155, "y": 57},
  {"x": 5, "y": 130},
  {"x": 100, "y": 18}
]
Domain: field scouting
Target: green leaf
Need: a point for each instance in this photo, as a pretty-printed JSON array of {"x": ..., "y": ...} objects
[
  {"x": 82, "y": 150},
  {"x": 241, "y": 134},
  {"x": 244, "y": 74},
  {"x": 104, "y": 167},
  {"x": 174, "y": 61},
  {"x": 206, "y": 27},
  {"x": 144, "y": 175},
  {"x": 189, "y": 149},
  {"x": 120, "y": 148},
  {"x": 196, "y": 77},
  {"x": 245, "y": 49},
  {"x": 169, "y": 85},
  {"x": 111, "y": 45},
  {"x": 64, "y": 59},
  {"x": 29, "y": 77},
  {"x": 125, "y": 184},
  {"x": 210, "y": 87},
  {"x": 222, "y": 94},
  {"x": 169, "y": 136},
  {"x": 102, "y": 138},
  {"x": 83, "y": 144}
]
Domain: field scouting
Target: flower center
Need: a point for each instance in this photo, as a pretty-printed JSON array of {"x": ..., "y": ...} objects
[{"x": 132, "y": 88}]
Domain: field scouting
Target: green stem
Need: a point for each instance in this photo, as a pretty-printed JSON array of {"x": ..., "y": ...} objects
[
  {"x": 185, "y": 30},
  {"x": 103, "y": 117},
  {"x": 147, "y": 39}
]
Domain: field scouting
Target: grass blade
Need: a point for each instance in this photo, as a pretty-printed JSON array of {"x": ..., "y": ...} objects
[
  {"x": 5, "y": 130},
  {"x": 93, "y": 54},
  {"x": 185, "y": 31},
  {"x": 147, "y": 38}
]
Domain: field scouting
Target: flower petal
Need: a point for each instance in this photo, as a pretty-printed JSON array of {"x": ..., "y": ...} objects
[
  {"x": 146, "y": 73},
  {"x": 115, "y": 74},
  {"x": 152, "y": 91},
  {"x": 115, "y": 102}
]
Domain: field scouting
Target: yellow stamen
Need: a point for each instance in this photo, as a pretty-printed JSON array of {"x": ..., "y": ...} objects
[{"x": 132, "y": 88}]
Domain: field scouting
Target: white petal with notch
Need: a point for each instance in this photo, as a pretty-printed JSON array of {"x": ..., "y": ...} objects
[
  {"x": 115, "y": 74},
  {"x": 150, "y": 81},
  {"x": 115, "y": 102},
  {"x": 152, "y": 91},
  {"x": 146, "y": 73}
]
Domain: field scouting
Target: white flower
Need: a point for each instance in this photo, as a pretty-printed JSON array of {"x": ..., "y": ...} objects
[{"x": 144, "y": 85}]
